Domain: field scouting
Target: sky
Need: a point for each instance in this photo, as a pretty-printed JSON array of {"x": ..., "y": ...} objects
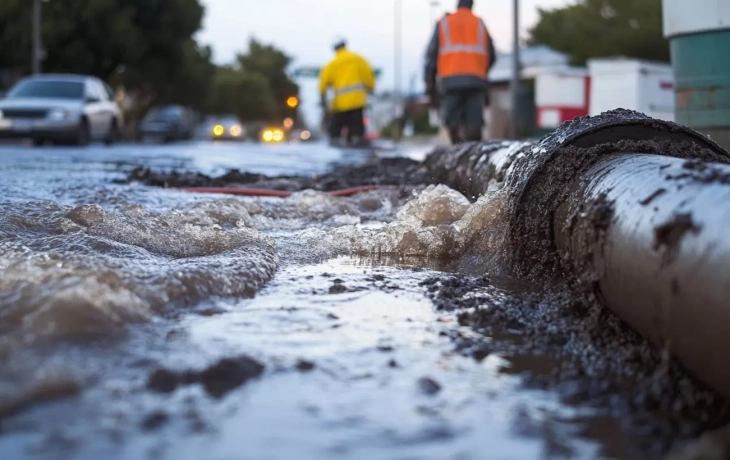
[{"x": 306, "y": 30}]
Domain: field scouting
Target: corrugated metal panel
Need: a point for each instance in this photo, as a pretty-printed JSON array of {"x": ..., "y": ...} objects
[
  {"x": 691, "y": 16},
  {"x": 702, "y": 83}
]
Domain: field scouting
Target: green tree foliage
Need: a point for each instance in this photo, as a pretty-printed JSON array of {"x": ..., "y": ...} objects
[
  {"x": 247, "y": 95},
  {"x": 147, "y": 47},
  {"x": 143, "y": 45},
  {"x": 271, "y": 64},
  {"x": 604, "y": 28}
]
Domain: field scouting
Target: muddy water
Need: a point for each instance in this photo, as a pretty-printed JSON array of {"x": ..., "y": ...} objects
[{"x": 324, "y": 318}]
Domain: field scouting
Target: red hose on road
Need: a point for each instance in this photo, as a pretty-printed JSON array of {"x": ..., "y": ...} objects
[
  {"x": 355, "y": 190},
  {"x": 277, "y": 193}
]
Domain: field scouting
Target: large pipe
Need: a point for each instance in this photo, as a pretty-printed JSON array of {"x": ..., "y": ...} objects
[
  {"x": 645, "y": 231},
  {"x": 652, "y": 231}
]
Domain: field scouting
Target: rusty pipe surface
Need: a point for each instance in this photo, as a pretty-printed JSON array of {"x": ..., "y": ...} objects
[{"x": 652, "y": 233}]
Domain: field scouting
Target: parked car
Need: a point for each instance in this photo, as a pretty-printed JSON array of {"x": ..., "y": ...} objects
[
  {"x": 226, "y": 127},
  {"x": 62, "y": 108},
  {"x": 168, "y": 123}
]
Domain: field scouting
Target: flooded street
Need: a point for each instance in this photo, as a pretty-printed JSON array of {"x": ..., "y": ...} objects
[{"x": 147, "y": 322}]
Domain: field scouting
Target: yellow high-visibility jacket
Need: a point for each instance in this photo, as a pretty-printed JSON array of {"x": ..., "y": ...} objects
[{"x": 351, "y": 78}]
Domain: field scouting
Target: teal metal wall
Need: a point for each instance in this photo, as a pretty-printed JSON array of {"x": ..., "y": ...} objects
[{"x": 701, "y": 63}]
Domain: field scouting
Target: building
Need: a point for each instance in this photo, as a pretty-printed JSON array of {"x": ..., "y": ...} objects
[
  {"x": 534, "y": 60},
  {"x": 646, "y": 87}
]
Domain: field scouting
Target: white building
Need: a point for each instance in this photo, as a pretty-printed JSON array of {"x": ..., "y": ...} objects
[{"x": 646, "y": 87}]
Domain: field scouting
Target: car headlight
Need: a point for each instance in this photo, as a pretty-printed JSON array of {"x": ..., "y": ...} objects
[
  {"x": 59, "y": 114},
  {"x": 218, "y": 130}
]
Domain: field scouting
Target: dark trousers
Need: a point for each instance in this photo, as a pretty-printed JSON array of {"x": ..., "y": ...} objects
[
  {"x": 353, "y": 120},
  {"x": 462, "y": 112}
]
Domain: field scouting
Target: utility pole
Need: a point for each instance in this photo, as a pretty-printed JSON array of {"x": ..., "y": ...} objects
[
  {"x": 434, "y": 5},
  {"x": 397, "y": 26},
  {"x": 37, "y": 52},
  {"x": 515, "y": 83}
]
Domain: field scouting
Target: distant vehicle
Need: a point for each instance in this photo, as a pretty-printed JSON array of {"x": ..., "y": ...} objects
[
  {"x": 273, "y": 135},
  {"x": 61, "y": 108},
  {"x": 227, "y": 127},
  {"x": 300, "y": 135},
  {"x": 168, "y": 123}
]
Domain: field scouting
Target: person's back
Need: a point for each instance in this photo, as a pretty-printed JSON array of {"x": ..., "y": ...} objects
[
  {"x": 351, "y": 79},
  {"x": 458, "y": 59}
]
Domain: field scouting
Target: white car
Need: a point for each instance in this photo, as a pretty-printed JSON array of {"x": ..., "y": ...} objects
[{"x": 62, "y": 108}]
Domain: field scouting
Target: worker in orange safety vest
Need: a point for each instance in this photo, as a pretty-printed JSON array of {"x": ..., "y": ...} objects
[{"x": 458, "y": 59}]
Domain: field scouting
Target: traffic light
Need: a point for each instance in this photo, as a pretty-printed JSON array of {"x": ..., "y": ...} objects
[{"x": 292, "y": 102}]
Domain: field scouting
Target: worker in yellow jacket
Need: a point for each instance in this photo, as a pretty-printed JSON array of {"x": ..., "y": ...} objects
[{"x": 351, "y": 79}]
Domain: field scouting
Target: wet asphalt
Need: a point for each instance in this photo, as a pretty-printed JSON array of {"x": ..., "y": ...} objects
[{"x": 341, "y": 357}]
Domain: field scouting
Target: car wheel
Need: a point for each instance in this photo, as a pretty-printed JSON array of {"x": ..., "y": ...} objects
[
  {"x": 37, "y": 142},
  {"x": 83, "y": 135},
  {"x": 113, "y": 135}
]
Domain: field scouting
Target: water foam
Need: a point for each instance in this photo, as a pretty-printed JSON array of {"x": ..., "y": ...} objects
[
  {"x": 83, "y": 272},
  {"x": 437, "y": 223}
]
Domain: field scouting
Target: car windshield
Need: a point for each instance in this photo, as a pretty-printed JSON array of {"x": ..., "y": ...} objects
[
  {"x": 226, "y": 120},
  {"x": 48, "y": 89},
  {"x": 164, "y": 113}
]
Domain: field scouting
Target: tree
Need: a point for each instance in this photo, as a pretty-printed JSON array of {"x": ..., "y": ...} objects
[
  {"x": 191, "y": 83},
  {"x": 146, "y": 45},
  {"x": 604, "y": 28},
  {"x": 247, "y": 95},
  {"x": 270, "y": 63}
]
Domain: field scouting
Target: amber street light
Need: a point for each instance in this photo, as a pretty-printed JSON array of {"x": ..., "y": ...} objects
[{"x": 292, "y": 102}]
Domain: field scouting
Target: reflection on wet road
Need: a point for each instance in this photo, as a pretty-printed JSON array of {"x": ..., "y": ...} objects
[{"x": 357, "y": 366}]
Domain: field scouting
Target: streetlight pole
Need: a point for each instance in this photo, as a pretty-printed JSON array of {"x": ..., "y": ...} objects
[
  {"x": 37, "y": 45},
  {"x": 434, "y": 5},
  {"x": 515, "y": 83},
  {"x": 397, "y": 26}
]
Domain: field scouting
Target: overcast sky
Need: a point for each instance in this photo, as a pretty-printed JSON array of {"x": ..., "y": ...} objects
[{"x": 305, "y": 29}]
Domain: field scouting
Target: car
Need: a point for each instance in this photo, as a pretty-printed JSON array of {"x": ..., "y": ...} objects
[
  {"x": 273, "y": 135},
  {"x": 226, "y": 127},
  {"x": 300, "y": 135},
  {"x": 62, "y": 108},
  {"x": 168, "y": 123}
]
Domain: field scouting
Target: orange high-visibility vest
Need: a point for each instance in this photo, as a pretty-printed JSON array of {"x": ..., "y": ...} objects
[{"x": 463, "y": 45}]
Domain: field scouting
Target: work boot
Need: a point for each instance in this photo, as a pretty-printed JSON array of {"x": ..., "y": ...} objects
[
  {"x": 474, "y": 133},
  {"x": 358, "y": 141},
  {"x": 455, "y": 135}
]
